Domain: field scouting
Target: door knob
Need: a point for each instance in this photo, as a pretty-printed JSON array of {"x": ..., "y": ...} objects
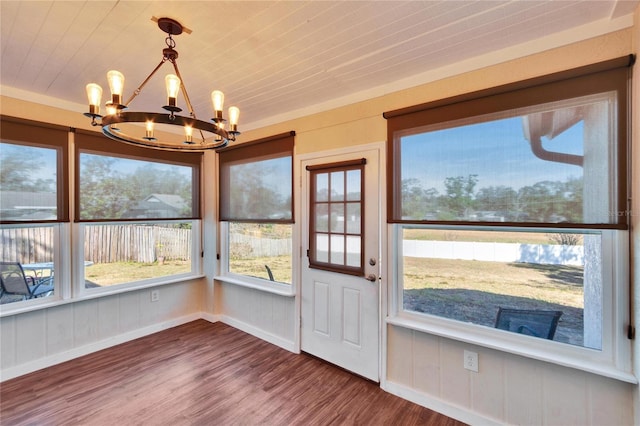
[
  {"x": 372, "y": 262},
  {"x": 371, "y": 277}
]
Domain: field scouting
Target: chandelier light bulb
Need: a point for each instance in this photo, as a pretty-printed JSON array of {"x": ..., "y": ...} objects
[
  {"x": 94, "y": 93},
  {"x": 149, "y": 130},
  {"x": 172, "y": 83},
  {"x": 188, "y": 134},
  {"x": 234, "y": 115},
  {"x": 217, "y": 98},
  {"x": 116, "y": 85}
]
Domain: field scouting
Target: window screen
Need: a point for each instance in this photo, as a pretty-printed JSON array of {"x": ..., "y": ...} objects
[
  {"x": 122, "y": 182},
  {"x": 545, "y": 151},
  {"x": 256, "y": 181}
]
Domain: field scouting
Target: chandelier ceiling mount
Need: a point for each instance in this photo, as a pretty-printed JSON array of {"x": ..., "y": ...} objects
[{"x": 212, "y": 134}]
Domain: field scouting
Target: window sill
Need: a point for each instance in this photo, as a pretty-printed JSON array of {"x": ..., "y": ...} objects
[
  {"x": 53, "y": 301},
  {"x": 570, "y": 356},
  {"x": 280, "y": 289}
]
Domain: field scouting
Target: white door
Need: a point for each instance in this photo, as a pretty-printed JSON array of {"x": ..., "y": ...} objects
[{"x": 340, "y": 270}]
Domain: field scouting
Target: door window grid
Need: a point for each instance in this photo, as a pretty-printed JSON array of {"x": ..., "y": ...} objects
[{"x": 336, "y": 218}]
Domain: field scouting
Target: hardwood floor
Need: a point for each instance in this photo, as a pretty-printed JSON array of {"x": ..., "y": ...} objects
[{"x": 202, "y": 374}]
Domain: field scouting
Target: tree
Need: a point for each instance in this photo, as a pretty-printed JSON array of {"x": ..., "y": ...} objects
[
  {"x": 496, "y": 198},
  {"x": 459, "y": 194},
  {"x": 418, "y": 203},
  {"x": 103, "y": 192},
  {"x": 17, "y": 171}
]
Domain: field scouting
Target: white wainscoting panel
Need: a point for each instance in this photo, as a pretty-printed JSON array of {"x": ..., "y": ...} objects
[
  {"x": 267, "y": 315},
  {"x": 508, "y": 388},
  {"x": 37, "y": 339}
]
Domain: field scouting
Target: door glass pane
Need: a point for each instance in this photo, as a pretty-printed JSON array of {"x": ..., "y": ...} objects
[
  {"x": 337, "y": 218},
  {"x": 337, "y": 249},
  {"x": 322, "y": 217},
  {"x": 353, "y": 218},
  {"x": 337, "y": 186},
  {"x": 322, "y": 248},
  {"x": 354, "y": 185},
  {"x": 353, "y": 251},
  {"x": 322, "y": 187}
]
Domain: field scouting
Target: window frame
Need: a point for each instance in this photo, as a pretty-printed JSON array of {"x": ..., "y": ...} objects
[
  {"x": 87, "y": 293},
  {"x": 94, "y": 143},
  {"x": 18, "y": 131},
  {"x": 614, "y": 359},
  {"x": 261, "y": 148}
]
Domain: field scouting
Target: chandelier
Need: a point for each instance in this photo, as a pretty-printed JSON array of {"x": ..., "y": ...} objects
[{"x": 208, "y": 134}]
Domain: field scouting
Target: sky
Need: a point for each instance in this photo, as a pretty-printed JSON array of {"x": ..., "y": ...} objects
[{"x": 496, "y": 151}]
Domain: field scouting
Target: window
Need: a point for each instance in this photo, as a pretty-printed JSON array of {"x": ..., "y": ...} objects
[
  {"x": 139, "y": 213},
  {"x": 336, "y": 223},
  {"x": 256, "y": 210},
  {"x": 515, "y": 197},
  {"x": 33, "y": 209}
]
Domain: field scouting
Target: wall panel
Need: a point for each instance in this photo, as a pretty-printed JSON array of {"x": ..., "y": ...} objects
[
  {"x": 507, "y": 389},
  {"x": 37, "y": 339}
]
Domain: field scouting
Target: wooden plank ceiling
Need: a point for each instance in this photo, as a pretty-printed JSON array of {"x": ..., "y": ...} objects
[{"x": 273, "y": 59}]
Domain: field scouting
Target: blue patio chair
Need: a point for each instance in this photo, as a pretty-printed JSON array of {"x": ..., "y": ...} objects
[
  {"x": 14, "y": 281},
  {"x": 538, "y": 323}
]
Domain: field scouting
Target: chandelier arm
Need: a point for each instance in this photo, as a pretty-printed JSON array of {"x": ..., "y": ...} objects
[
  {"x": 139, "y": 89},
  {"x": 183, "y": 87}
]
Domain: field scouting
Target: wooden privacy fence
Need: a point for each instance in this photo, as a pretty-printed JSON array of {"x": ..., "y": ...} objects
[
  {"x": 135, "y": 243},
  {"x": 102, "y": 244},
  {"x": 26, "y": 245}
]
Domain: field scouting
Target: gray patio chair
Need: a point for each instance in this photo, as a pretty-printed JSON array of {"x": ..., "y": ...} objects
[
  {"x": 538, "y": 323},
  {"x": 14, "y": 281}
]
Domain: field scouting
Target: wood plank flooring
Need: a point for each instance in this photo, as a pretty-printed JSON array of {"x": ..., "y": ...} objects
[{"x": 202, "y": 374}]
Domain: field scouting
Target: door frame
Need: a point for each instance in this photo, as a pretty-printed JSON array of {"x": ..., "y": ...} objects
[{"x": 383, "y": 293}]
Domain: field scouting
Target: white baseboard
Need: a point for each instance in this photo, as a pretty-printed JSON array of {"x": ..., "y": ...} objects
[
  {"x": 261, "y": 334},
  {"x": 48, "y": 361},
  {"x": 442, "y": 407},
  {"x": 209, "y": 317}
]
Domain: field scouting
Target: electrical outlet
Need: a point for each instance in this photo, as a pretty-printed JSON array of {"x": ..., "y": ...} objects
[
  {"x": 471, "y": 361},
  {"x": 155, "y": 295}
]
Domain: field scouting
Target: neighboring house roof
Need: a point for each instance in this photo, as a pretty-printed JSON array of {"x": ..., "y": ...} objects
[
  {"x": 159, "y": 205},
  {"x": 28, "y": 205},
  {"x": 175, "y": 201}
]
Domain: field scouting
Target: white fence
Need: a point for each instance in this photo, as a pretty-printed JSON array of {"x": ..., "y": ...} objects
[
  {"x": 550, "y": 254},
  {"x": 261, "y": 247}
]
